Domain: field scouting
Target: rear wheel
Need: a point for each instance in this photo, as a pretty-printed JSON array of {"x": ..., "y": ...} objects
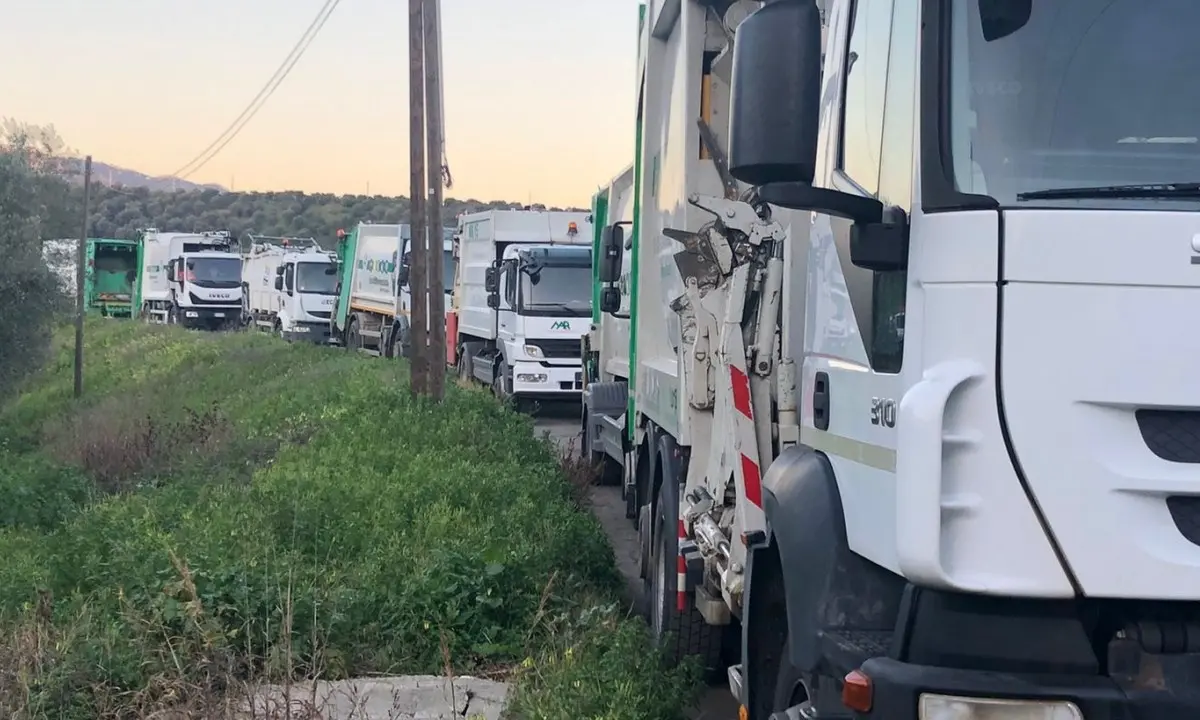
[
  {"x": 680, "y": 634},
  {"x": 353, "y": 338}
]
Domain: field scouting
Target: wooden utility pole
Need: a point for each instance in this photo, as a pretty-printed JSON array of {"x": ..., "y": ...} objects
[
  {"x": 433, "y": 156},
  {"x": 419, "y": 248},
  {"x": 80, "y": 274}
]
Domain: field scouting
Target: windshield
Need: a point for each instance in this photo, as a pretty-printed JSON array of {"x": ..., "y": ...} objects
[
  {"x": 316, "y": 278},
  {"x": 1083, "y": 93},
  {"x": 557, "y": 290},
  {"x": 214, "y": 272}
]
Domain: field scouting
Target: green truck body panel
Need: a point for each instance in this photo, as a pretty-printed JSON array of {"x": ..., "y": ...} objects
[
  {"x": 111, "y": 284},
  {"x": 346, "y": 249},
  {"x": 631, "y": 420}
]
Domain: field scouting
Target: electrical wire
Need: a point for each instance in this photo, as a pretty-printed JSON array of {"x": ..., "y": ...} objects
[{"x": 264, "y": 94}]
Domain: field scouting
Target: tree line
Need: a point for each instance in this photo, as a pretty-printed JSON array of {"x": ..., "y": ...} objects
[{"x": 119, "y": 212}]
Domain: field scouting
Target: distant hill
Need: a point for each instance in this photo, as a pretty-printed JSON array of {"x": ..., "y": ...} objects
[{"x": 113, "y": 176}]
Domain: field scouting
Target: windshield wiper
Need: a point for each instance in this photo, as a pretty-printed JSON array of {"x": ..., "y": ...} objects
[{"x": 1185, "y": 190}]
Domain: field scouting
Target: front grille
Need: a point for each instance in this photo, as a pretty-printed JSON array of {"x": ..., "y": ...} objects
[
  {"x": 1173, "y": 435},
  {"x": 1185, "y": 511},
  {"x": 225, "y": 303},
  {"x": 559, "y": 349}
]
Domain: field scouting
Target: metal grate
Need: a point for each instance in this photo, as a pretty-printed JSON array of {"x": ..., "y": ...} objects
[
  {"x": 1173, "y": 435},
  {"x": 560, "y": 349}
]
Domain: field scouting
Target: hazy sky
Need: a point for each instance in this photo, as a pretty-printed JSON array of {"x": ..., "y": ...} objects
[{"x": 539, "y": 93}]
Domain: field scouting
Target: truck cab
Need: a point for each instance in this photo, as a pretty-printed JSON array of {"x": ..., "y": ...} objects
[
  {"x": 542, "y": 298},
  {"x": 524, "y": 301},
  {"x": 206, "y": 287},
  {"x": 190, "y": 279},
  {"x": 290, "y": 285},
  {"x": 926, "y": 451},
  {"x": 308, "y": 283}
]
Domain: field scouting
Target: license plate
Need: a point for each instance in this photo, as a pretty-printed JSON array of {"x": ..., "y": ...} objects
[{"x": 218, "y": 314}]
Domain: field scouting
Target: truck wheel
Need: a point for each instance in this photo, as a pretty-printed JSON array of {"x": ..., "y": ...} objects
[
  {"x": 279, "y": 329},
  {"x": 353, "y": 339},
  {"x": 464, "y": 367},
  {"x": 680, "y": 634},
  {"x": 501, "y": 387}
]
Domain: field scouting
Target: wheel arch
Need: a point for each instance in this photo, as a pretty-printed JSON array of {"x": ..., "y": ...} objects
[{"x": 806, "y": 556}]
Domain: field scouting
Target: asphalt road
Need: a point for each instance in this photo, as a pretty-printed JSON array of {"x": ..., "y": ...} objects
[{"x": 561, "y": 422}]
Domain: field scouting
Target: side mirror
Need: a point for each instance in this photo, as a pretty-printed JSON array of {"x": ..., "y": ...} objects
[
  {"x": 491, "y": 279},
  {"x": 612, "y": 245},
  {"x": 493, "y": 300},
  {"x": 610, "y": 300},
  {"x": 402, "y": 274},
  {"x": 278, "y": 282},
  {"x": 773, "y": 134},
  {"x": 279, "y": 271},
  {"x": 775, "y": 94}
]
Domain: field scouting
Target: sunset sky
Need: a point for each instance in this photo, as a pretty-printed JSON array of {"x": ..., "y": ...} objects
[{"x": 539, "y": 93}]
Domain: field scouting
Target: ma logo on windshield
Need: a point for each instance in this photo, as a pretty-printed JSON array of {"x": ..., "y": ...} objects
[{"x": 561, "y": 325}]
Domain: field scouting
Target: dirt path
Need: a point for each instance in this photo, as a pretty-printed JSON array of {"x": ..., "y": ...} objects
[{"x": 562, "y": 424}]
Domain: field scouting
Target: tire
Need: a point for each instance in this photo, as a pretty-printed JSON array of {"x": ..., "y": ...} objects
[
  {"x": 279, "y": 330},
  {"x": 500, "y": 385},
  {"x": 353, "y": 339},
  {"x": 685, "y": 634},
  {"x": 463, "y": 367}
]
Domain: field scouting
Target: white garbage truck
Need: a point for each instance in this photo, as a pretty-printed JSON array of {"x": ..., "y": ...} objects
[
  {"x": 908, "y": 424},
  {"x": 190, "y": 279},
  {"x": 524, "y": 301},
  {"x": 288, "y": 287},
  {"x": 374, "y": 298}
]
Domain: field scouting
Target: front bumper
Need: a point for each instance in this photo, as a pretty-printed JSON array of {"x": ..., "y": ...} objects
[
  {"x": 314, "y": 332},
  {"x": 1166, "y": 688},
  {"x": 208, "y": 317},
  {"x": 541, "y": 380}
]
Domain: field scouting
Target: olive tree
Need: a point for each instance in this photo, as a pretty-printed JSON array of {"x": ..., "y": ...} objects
[{"x": 35, "y": 205}]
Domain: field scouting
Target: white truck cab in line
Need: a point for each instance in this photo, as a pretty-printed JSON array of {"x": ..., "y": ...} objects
[
  {"x": 190, "y": 279},
  {"x": 289, "y": 287},
  {"x": 917, "y": 437},
  {"x": 524, "y": 301}
]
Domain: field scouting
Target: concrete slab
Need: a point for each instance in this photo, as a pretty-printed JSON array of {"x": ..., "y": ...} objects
[{"x": 413, "y": 697}]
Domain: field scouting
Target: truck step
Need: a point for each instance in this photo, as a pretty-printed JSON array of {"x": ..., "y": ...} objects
[
  {"x": 736, "y": 681},
  {"x": 847, "y": 650}
]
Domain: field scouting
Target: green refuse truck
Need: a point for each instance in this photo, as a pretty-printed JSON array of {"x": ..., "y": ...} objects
[{"x": 111, "y": 276}]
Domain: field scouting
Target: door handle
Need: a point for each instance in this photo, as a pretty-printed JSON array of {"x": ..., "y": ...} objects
[{"x": 820, "y": 401}]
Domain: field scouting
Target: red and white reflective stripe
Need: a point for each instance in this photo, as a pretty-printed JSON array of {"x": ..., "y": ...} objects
[
  {"x": 681, "y": 573},
  {"x": 751, "y": 474}
]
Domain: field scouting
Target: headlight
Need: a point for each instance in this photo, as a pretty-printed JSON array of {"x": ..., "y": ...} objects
[
  {"x": 533, "y": 351},
  {"x": 947, "y": 707},
  {"x": 300, "y": 328},
  {"x": 531, "y": 377}
]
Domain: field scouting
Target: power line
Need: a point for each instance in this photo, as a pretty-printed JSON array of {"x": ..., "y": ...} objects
[{"x": 264, "y": 94}]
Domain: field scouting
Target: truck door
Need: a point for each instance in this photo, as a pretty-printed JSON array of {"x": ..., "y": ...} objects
[
  {"x": 289, "y": 285},
  {"x": 506, "y": 314},
  {"x": 855, "y": 337}
]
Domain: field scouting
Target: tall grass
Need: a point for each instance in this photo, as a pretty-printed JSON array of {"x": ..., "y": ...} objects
[{"x": 222, "y": 511}]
